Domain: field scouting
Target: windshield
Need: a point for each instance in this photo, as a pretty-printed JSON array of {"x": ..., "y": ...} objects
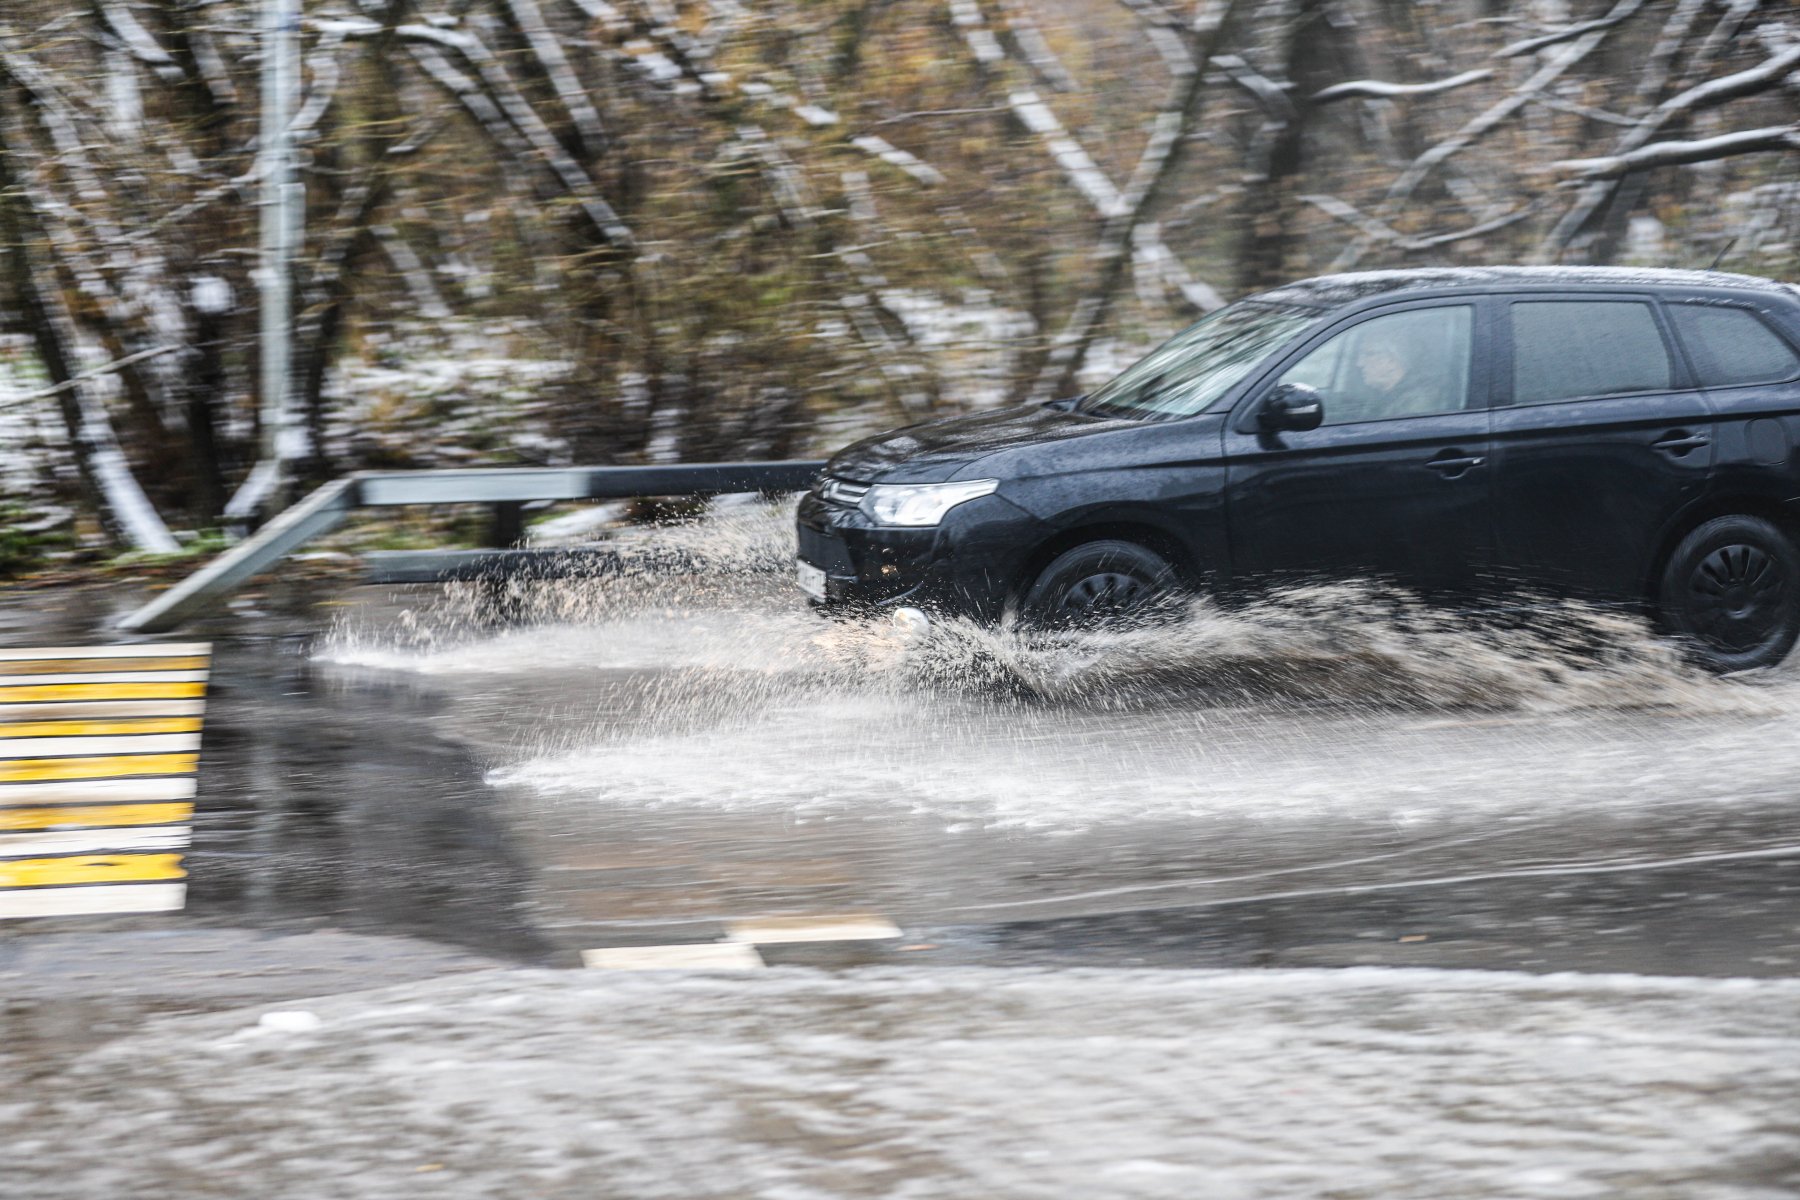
[{"x": 1199, "y": 364}]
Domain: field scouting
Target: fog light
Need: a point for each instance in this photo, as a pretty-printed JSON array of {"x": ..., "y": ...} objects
[{"x": 911, "y": 621}]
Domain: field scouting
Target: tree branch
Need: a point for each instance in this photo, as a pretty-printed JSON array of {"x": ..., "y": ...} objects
[
  {"x": 1270, "y": 95},
  {"x": 1381, "y": 231},
  {"x": 75, "y": 381},
  {"x": 1567, "y": 33},
  {"x": 137, "y": 40},
  {"x": 1714, "y": 92},
  {"x": 1678, "y": 153},
  {"x": 529, "y": 20},
  {"x": 1481, "y": 125},
  {"x": 505, "y": 96},
  {"x": 1154, "y": 168},
  {"x": 1373, "y": 89}
]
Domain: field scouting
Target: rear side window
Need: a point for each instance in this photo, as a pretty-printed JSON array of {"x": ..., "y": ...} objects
[
  {"x": 1731, "y": 346},
  {"x": 1570, "y": 349}
]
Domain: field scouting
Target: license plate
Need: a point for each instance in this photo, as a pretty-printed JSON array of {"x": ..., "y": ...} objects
[{"x": 810, "y": 578}]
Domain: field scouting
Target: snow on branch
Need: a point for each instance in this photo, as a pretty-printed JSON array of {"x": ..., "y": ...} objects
[
  {"x": 1032, "y": 44},
  {"x": 1351, "y": 215},
  {"x": 1173, "y": 47},
  {"x": 518, "y": 114},
  {"x": 211, "y": 64},
  {"x": 326, "y": 76},
  {"x": 1209, "y": 17},
  {"x": 1731, "y": 23},
  {"x": 1483, "y": 124},
  {"x": 1271, "y": 95},
  {"x": 1152, "y": 259},
  {"x": 1153, "y": 13},
  {"x": 787, "y": 183},
  {"x": 486, "y": 113},
  {"x": 1713, "y": 92},
  {"x": 1567, "y": 33},
  {"x": 891, "y": 154},
  {"x": 966, "y": 16},
  {"x": 1083, "y": 172},
  {"x": 137, "y": 40},
  {"x": 609, "y": 17},
  {"x": 529, "y": 20},
  {"x": 1375, "y": 89},
  {"x": 1678, "y": 153}
]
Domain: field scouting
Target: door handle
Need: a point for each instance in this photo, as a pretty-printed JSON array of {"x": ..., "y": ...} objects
[
  {"x": 1679, "y": 442},
  {"x": 1453, "y": 463}
]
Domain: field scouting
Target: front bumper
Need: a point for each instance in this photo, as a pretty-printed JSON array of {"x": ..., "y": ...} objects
[{"x": 965, "y": 566}]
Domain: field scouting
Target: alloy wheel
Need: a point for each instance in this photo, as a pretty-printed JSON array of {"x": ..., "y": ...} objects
[
  {"x": 1737, "y": 597},
  {"x": 1104, "y": 594}
]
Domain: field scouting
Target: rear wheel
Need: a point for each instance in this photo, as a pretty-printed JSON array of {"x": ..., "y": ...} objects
[
  {"x": 1100, "y": 583},
  {"x": 1731, "y": 592}
]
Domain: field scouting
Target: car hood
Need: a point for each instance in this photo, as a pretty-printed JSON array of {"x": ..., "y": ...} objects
[{"x": 938, "y": 450}]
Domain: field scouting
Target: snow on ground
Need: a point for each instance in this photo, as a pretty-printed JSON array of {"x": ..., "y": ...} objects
[
  {"x": 457, "y": 391},
  {"x": 31, "y": 437},
  {"x": 957, "y": 1083}
]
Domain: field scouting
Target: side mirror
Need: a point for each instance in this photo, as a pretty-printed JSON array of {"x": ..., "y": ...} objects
[{"x": 1291, "y": 407}]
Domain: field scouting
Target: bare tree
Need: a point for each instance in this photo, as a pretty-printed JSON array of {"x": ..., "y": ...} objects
[{"x": 727, "y": 229}]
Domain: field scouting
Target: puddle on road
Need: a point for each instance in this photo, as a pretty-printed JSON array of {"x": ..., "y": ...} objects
[
  {"x": 692, "y": 743},
  {"x": 1409, "y": 1085},
  {"x": 713, "y": 687}
]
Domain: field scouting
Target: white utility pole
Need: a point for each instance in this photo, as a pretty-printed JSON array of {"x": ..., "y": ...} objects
[{"x": 282, "y": 204}]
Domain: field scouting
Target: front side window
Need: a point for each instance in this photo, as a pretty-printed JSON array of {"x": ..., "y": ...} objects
[
  {"x": 1580, "y": 349},
  {"x": 1404, "y": 364},
  {"x": 1198, "y": 365},
  {"x": 1731, "y": 347}
]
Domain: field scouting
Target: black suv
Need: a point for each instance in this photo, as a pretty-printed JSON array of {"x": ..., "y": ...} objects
[{"x": 1619, "y": 435}]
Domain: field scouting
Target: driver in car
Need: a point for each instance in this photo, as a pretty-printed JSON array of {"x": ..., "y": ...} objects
[{"x": 1388, "y": 381}]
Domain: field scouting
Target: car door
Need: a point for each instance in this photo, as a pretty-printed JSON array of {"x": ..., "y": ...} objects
[
  {"x": 1394, "y": 484},
  {"x": 1599, "y": 440},
  {"x": 1747, "y": 362}
]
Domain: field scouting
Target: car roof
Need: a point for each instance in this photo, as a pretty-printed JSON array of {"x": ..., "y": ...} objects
[{"x": 1333, "y": 291}]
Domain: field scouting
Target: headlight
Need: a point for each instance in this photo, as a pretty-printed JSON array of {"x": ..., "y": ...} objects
[{"x": 920, "y": 504}]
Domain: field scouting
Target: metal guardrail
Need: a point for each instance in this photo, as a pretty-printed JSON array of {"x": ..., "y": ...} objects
[{"x": 327, "y": 508}]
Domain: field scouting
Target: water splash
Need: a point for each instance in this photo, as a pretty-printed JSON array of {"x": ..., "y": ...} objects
[
  {"x": 688, "y": 672},
  {"x": 1345, "y": 644},
  {"x": 714, "y": 594}
]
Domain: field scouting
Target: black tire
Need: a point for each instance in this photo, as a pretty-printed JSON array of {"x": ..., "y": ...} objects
[
  {"x": 1731, "y": 593},
  {"x": 1097, "y": 584}
]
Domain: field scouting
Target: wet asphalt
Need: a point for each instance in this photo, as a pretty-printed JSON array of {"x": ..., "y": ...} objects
[
  {"x": 533, "y": 809},
  {"x": 486, "y": 803}
]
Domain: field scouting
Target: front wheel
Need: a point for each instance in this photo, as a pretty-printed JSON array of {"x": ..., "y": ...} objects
[
  {"x": 1731, "y": 592},
  {"x": 1097, "y": 584}
]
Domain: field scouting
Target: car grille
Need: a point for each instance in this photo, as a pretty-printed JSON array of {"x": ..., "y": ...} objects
[{"x": 845, "y": 492}]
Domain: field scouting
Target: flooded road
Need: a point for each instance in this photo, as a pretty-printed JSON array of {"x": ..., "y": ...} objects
[
  {"x": 883, "y": 1082},
  {"x": 933, "y": 843},
  {"x": 1330, "y": 777}
]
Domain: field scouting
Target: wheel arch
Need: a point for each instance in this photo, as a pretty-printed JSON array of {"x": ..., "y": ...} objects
[
  {"x": 1143, "y": 533},
  {"x": 1782, "y": 515}
]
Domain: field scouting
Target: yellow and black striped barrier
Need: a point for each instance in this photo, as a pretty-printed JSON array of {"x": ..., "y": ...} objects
[{"x": 99, "y": 746}]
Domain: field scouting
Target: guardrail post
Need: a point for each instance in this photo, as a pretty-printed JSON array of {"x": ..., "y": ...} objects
[{"x": 508, "y": 527}]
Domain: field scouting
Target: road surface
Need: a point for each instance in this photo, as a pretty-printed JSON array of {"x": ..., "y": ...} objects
[{"x": 905, "y": 863}]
